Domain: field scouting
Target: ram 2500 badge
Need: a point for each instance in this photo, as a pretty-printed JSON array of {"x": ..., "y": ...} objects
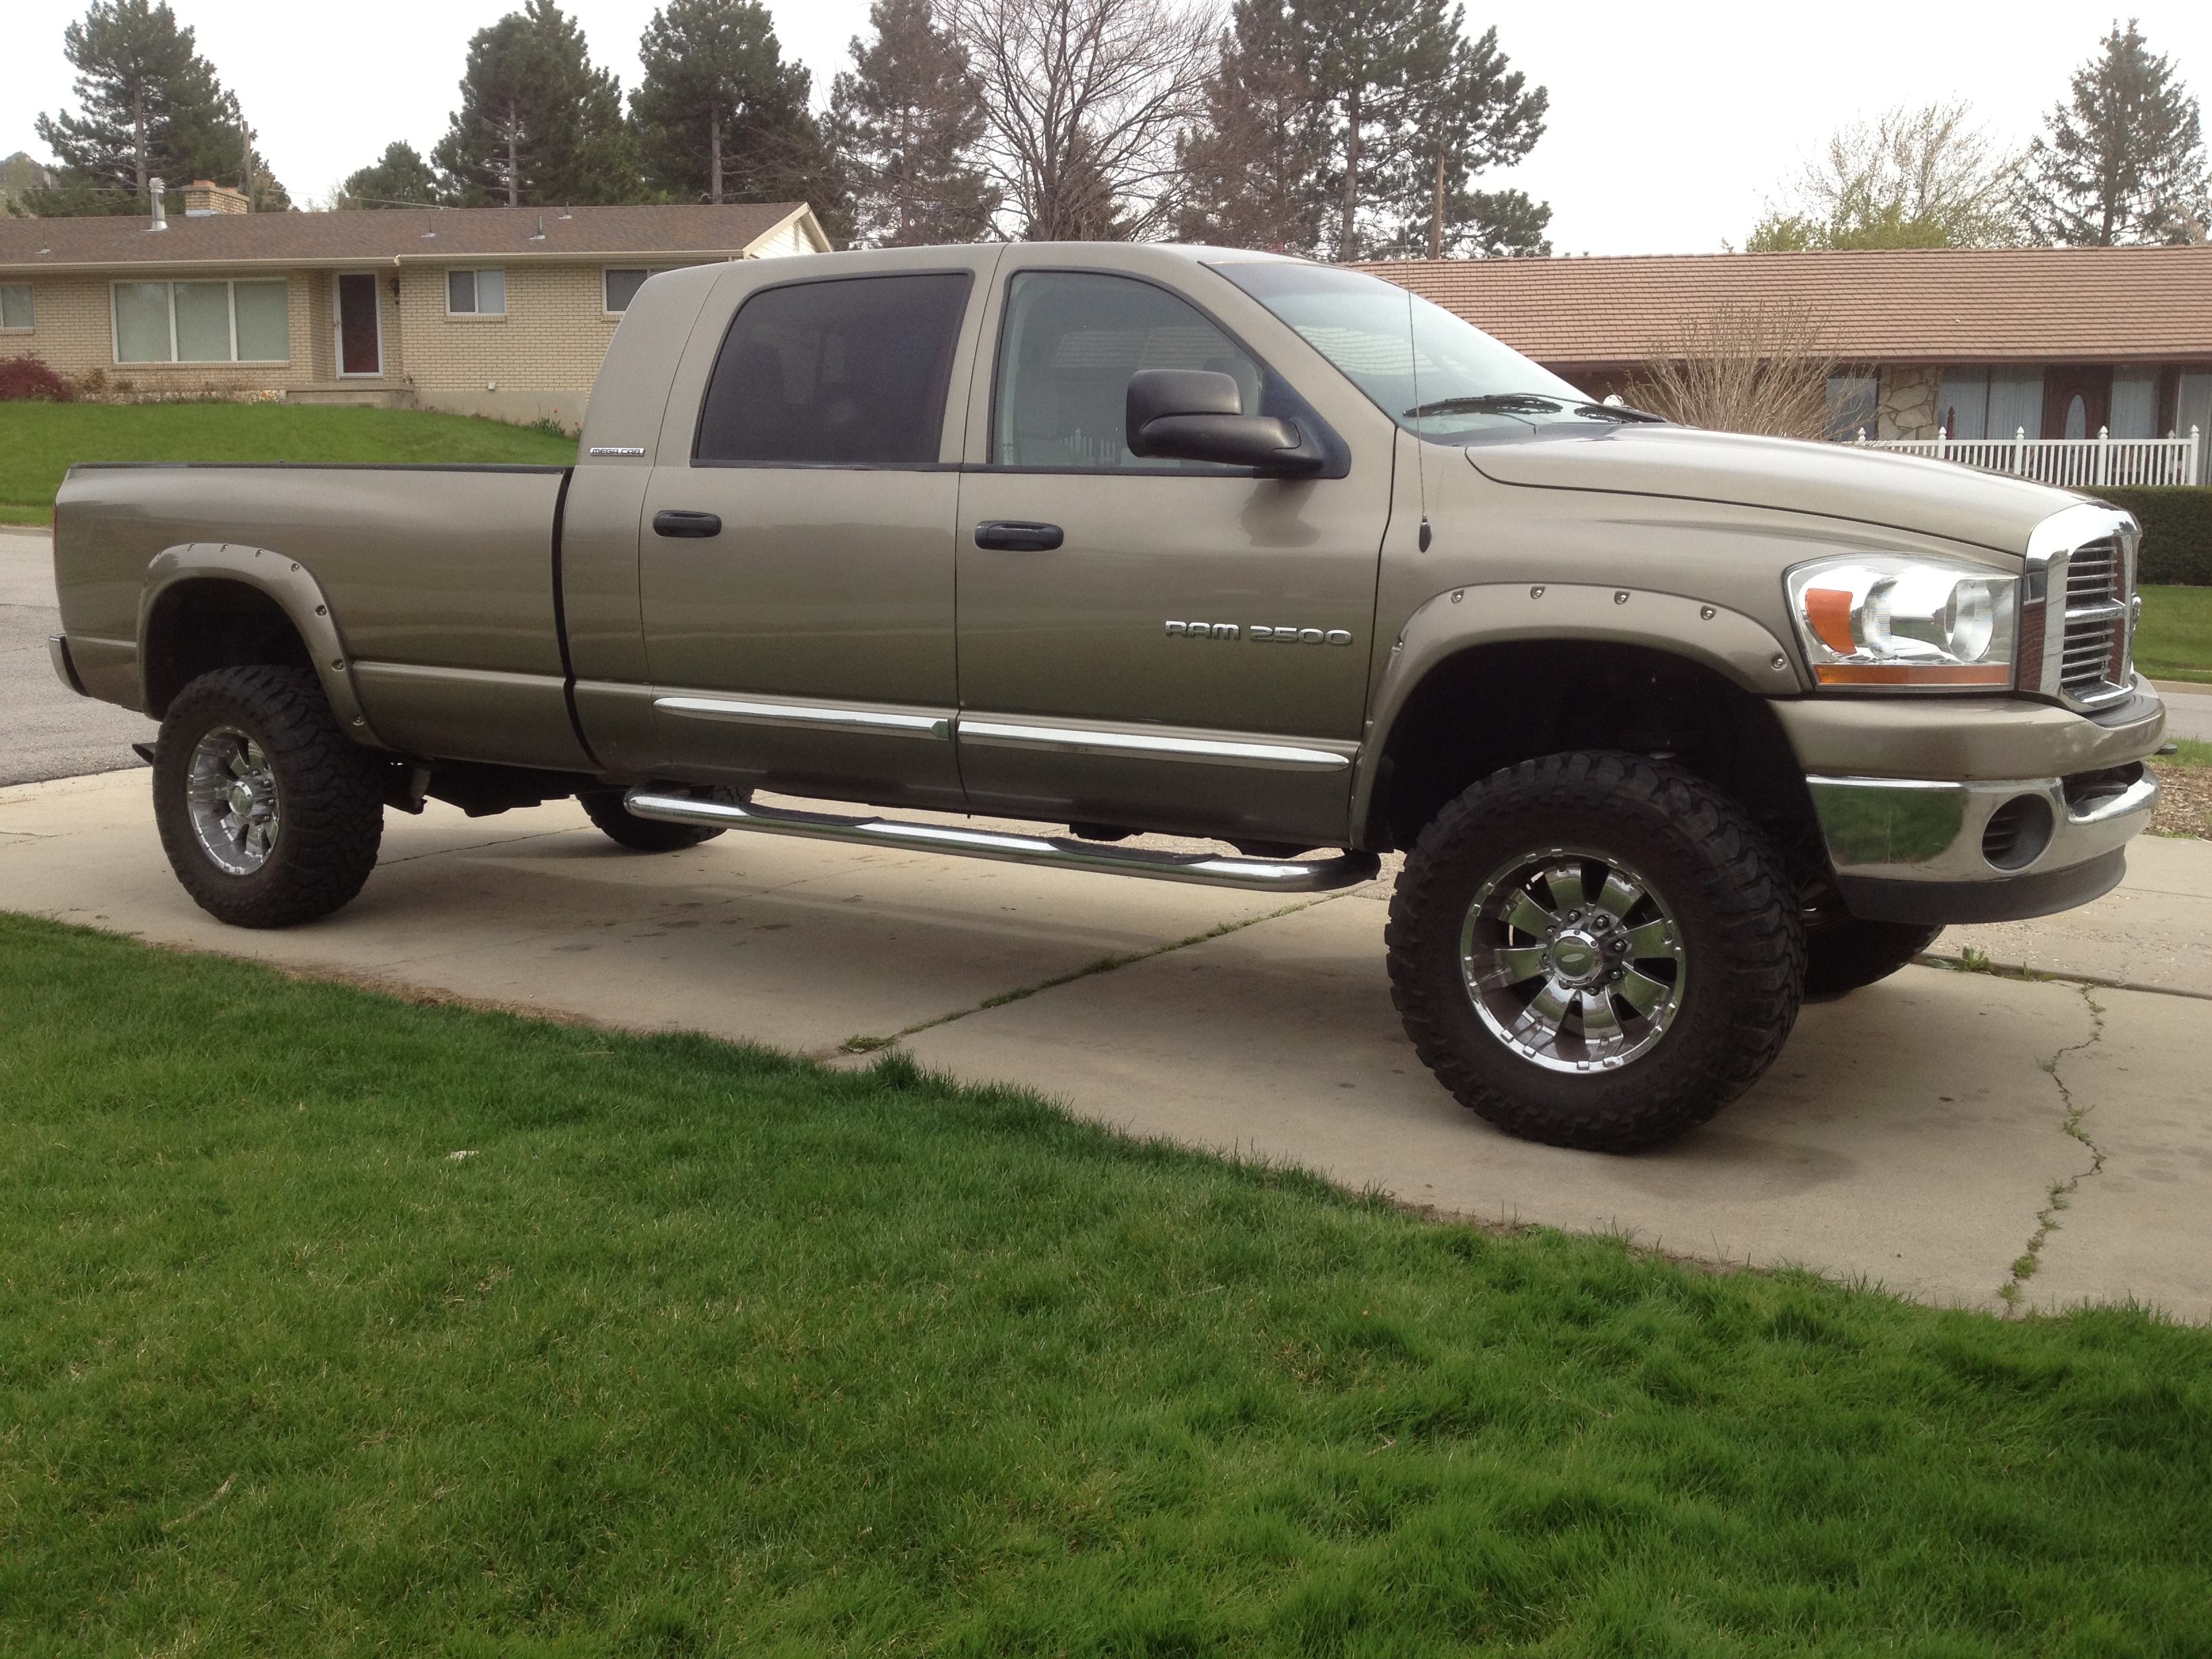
[{"x": 1671, "y": 726}]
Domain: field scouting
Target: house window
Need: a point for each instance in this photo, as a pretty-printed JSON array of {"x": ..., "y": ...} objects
[
  {"x": 2194, "y": 411},
  {"x": 16, "y": 305},
  {"x": 476, "y": 294},
  {"x": 2135, "y": 404},
  {"x": 622, "y": 287},
  {"x": 203, "y": 322},
  {"x": 1851, "y": 400},
  {"x": 1997, "y": 404}
]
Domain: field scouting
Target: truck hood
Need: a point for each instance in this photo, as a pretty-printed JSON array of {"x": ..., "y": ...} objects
[{"x": 1837, "y": 481}]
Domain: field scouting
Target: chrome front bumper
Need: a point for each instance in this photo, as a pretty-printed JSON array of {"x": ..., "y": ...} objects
[{"x": 1910, "y": 849}]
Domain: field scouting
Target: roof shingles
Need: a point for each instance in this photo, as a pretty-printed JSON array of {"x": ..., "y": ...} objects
[
  {"x": 386, "y": 236},
  {"x": 1903, "y": 306}
]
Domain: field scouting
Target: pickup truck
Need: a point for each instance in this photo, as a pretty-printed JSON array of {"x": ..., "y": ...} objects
[{"x": 1671, "y": 727}]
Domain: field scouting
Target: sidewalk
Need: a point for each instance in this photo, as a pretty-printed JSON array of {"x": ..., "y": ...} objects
[{"x": 1913, "y": 1135}]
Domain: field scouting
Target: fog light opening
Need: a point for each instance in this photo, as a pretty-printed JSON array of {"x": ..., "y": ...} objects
[{"x": 2018, "y": 832}]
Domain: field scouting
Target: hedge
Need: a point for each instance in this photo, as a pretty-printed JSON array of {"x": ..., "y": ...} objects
[{"x": 2176, "y": 525}]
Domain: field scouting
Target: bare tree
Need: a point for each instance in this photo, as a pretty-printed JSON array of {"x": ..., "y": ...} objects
[
  {"x": 1761, "y": 369},
  {"x": 1912, "y": 178},
  {"x": 1083, "y": 99}
]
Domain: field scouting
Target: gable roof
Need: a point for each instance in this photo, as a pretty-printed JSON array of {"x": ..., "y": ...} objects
[
  {"x": 389, "y": 236},
  {"x": 2105, "y": 305}
]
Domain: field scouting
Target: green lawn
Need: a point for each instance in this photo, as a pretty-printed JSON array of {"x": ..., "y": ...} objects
[
  {"x": 2175, "y": 640},
  {"x": 699, "y": 1350},
  {"x": 39, "y": 442}
]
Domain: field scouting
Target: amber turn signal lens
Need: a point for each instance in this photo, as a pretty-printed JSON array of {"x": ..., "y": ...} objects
[
  {"x": 1891, "y": 673},
  {"x": 1829, "y": 610}
]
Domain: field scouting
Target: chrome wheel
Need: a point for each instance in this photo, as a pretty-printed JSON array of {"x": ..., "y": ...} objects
[
  {"x": 231, "y": 788},
  {"x": 1573, "y": 960}
]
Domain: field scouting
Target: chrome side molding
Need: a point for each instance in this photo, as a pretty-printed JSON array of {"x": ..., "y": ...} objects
[
  {"x": 1324, "y": 875},
  {"x": 1083, "y": 740},
  {"x": 805, "y": 716}
]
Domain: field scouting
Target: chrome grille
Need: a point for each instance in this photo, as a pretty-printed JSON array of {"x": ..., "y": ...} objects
[{"x": 2092, "y": 585}]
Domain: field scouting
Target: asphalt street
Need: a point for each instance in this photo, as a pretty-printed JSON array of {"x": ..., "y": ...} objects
[{"x": 47, "y": 730}]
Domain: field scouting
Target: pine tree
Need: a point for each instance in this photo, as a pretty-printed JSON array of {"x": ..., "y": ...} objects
[
  {"x": 906, "y": 118},
  {"x": 398, "y": 177},
  {"x": 1251, "y": 166},
  {"x": 538, "y": 124},
  {"x": 2123, "y": 160},
  {"x": 150, "y": 106},
  {"x": 721, "y": 117},
  {"x": 1405, "y": 98}
]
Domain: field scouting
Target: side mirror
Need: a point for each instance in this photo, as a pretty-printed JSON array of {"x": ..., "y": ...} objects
[{"x": 1197, "y": 414}]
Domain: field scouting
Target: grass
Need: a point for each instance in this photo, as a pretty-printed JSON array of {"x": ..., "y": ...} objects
[
  {"x": 40, "y": 442},
  {"x": 338, "y": 1325},
  {"x": 2175, "y": 640}
]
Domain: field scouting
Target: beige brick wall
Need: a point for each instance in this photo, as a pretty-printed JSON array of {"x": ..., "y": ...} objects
[
  {"x": 537, "y": 361},
  {"x": 74, "y": 332}
]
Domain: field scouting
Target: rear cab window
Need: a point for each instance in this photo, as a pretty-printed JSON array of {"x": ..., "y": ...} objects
[{"x": 850, "y": 372}]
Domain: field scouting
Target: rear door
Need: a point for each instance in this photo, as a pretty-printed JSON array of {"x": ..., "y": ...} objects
[
  {"x": 1193, "y": 654},
  {"x": 796, "y": 569}
]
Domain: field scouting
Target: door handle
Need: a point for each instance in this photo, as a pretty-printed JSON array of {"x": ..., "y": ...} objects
[
  {"x": 675, "y": 521},
  {"x": 1018, "y": 536}
]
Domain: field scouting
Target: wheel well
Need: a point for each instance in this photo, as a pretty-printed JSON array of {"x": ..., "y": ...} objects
[
  {"x": 202, "y": 625},
  {"x": 1496, "y": 706}
]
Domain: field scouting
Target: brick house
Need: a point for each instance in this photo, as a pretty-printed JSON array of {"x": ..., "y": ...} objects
[
  {"x": 1969, "y": 343},
  {"x": 503, "y": 312}
]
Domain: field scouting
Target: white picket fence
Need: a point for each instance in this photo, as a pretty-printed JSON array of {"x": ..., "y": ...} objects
[{"x": 2069, "y": 463}]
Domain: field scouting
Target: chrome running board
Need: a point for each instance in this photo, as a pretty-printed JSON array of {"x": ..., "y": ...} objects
[{"x": 1205, "y": 869}]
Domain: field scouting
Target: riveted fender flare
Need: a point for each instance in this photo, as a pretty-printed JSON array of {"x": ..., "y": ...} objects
[
  {"x": 1457, "y": 619},
  {"x": 296, "y": 593}
]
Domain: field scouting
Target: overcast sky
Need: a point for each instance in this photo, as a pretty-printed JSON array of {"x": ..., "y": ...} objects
[{"x": 1669, "y": 122}]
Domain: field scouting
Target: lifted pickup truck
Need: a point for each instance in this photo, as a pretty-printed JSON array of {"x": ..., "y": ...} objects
[{"x": 1671, "y": 726}]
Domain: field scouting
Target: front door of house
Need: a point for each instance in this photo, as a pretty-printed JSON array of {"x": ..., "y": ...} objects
[
  {"x": 2077, "y": 399},
  {"x": 361, "y": 342}
]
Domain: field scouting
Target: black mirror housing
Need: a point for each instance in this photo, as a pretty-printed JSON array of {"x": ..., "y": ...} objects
[{"x": 1197, "y": 414}]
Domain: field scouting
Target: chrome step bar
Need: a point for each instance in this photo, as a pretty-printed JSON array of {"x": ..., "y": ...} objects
[{"x": 1204, "y": 869}]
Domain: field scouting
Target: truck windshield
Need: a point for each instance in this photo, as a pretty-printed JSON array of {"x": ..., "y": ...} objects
[{"x": 1437, "y": 376}]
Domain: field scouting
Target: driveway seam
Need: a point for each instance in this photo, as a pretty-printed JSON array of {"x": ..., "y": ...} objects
[
  {"x": 861, "y": 1045},
  {"x": 2061, "y": 1195},
  {"x": 2053, "y": 975}
]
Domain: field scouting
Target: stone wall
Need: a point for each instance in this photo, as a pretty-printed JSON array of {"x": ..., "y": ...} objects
[{"x": 1906, "y": 406}]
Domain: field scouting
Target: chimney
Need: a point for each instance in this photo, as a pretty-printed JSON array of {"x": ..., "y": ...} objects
[
  {"x": 160, "y": 193},
  {"x": 204, "y": 199}
]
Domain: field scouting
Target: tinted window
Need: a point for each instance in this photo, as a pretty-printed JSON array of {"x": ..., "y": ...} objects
[
  {"x": 1072, "y": 341},
  {"x": 850, "y": 372}
]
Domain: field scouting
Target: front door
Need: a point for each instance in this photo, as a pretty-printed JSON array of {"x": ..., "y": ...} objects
[
  {"x": 2077, "y": 400},
  {"x": 796, "y": 569},
  {"x": 360, "y": 333},
  {"x": 1192, "y": 654}
]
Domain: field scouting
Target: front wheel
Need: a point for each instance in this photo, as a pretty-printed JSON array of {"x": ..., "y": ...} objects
[
  {"x": 1595, "y": 951},
  {"x": 271, "y": 815}
]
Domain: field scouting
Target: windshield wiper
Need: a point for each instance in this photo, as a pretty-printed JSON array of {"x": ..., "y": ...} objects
[{"x": 1530, "y": 403}]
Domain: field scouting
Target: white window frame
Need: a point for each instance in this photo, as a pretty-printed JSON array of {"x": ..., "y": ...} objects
[
  {"x": 605, "y": 271},
  {"x": 338, "y": 327},
  {"x": 476, "y": 316},
  {"x": 31, "y": 297},
  {"x": 230, "y": 302}
]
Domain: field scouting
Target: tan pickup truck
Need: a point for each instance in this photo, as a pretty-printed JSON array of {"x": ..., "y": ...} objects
[{"x": 1671, "y": 726}]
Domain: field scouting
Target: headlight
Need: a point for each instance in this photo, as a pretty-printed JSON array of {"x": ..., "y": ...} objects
[{"x": 1874, "y": 619}]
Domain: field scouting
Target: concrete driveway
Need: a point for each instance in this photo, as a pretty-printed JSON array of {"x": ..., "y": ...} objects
[
  {"x": 1930, "y": 1133},
  {"x": 1926, "y": 1134}
]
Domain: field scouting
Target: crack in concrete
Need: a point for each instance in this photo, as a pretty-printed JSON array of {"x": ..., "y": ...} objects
[
  {"x": 2061, "y": 1195},
  {"x": 863, "y": 1045}
]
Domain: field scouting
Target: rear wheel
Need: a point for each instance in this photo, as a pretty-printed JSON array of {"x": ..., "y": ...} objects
[
  {"x": 271, "y": 815},
  {"x": 1842, "y": 955},
  {"x": 1595, "y": 951},
  {"x": 619, "y": 824}
]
